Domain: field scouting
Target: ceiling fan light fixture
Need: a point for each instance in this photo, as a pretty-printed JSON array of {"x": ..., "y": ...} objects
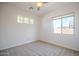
[{"x": 39, "y": 4}]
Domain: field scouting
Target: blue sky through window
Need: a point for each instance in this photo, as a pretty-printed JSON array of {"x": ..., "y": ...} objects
[
  {"x": 57, "y": 23},
  {"x": 67, "y": 21}
]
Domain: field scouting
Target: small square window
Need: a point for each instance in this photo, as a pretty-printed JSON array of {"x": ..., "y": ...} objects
[
  {"x": 26, "y": 20},
  {"x": 31, "y": 21},
  {"x": 19, "y": 19}
]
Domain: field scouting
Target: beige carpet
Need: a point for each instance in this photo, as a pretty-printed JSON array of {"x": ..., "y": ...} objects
[{"x": 38, "y": 48}]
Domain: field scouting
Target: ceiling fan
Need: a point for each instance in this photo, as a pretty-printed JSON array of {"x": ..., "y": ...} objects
[{"x": 38, "y": 5}]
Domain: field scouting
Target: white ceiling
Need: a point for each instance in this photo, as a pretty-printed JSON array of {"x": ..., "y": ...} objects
[{"x": 48, "y": 7}]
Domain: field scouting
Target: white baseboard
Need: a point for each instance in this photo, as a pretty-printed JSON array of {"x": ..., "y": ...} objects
[
  {"x": 64, "y": 46},
  {"x": 17, "y": 44}
]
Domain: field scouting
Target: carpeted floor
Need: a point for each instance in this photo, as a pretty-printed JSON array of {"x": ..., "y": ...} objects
[{"x": 38, "y": 48}]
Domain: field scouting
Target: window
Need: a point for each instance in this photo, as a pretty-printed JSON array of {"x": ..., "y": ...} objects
[
  {"x": 67, "y": 25},
  {"x": 19, "y": 19},
  {"x": 25, "y": 20},
  {"x": 64, "y": 24},
  {"x": 57, "y": 26},
  {"x": 31, "y": 21}
]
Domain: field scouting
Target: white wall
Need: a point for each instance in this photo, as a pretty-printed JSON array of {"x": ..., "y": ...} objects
[
  {"x": 68, "y": 41},
  {"x": 12, "y": 33}
]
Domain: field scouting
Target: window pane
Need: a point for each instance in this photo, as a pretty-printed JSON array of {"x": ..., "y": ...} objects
[
  {"x": 31, "y": 21},
  {"x": 19, "y": 19},
  {"x": 26, "y": 20},
  {"x": 67, "y": 25},
  {"x": 57, "y": 26}
]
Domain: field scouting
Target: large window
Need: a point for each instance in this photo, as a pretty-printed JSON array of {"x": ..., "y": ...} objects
[{"x": 63, "y": 24}]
